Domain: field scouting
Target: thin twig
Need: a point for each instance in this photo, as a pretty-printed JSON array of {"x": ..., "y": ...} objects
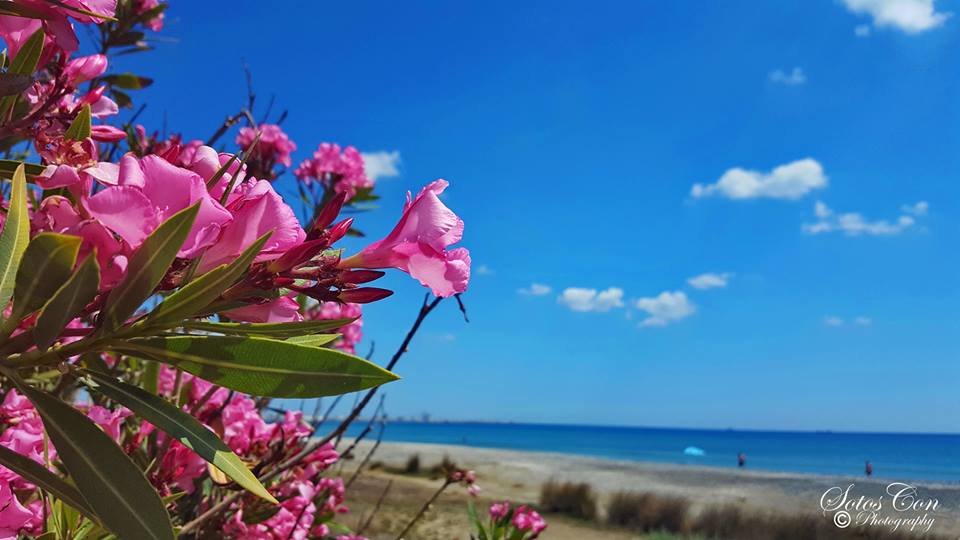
[
  {"x": 376, "y": 508},
  {"x": 424, "y": 508},
  {"x": 425, "y": 310}
]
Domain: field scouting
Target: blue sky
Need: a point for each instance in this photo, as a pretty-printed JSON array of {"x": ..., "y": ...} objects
[{"x": 573, "y": 136}]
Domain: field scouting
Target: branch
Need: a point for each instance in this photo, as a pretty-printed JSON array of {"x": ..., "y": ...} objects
[{"x": 425, "y": 310}]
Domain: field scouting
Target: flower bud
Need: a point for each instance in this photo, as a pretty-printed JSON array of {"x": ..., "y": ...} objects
[
  {"x": 329, "y": 212},
  {"x": 363, "y": 295},
  {"x": 83, "y": 69}
]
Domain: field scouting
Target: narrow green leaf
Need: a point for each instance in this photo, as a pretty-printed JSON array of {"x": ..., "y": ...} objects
[
  {"x": 25, "y": 63},
  {"x": 128, "y": 81},
  {"x": 258, "y": 366},
  {"x": 67, "y": 302},
  {"x": 147, "y": 267},
  {"x": 315, "y": 340},
  {"x": 49, "y": 260},
  {"x": 9, "y": 166},
  {"x": 275, "y": 330},
  {"x": 182, "y": 427},
  {"x": 113, "y": 485},
  {"x": 198, "y": 294},
  {"x": 80, "y": 128},
  {"x": 15, "y": 236},
  {"x": 46, "y": 480},
  {"x": 12, "y": 84}
]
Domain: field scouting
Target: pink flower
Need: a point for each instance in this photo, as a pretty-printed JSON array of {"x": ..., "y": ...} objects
[
  {"x": 283, "y": 309},
  {"x": 143, "y": 6},
  {"x": 148, "y": 192},
  {"x": 344, "y": 172},
  {"x": 352, "y": 332},
  {"x": 84, "y": 68},
  {"x": 58, "y": 29},
  {"x": 418, "y": 245},
  {"x": 526, "y": 519},
  {"x": 109, "y": 421},
  {"x": 499, "y": 510},
  {"x": 14, "y": 517},
  {"x": 274, "y": 146}
]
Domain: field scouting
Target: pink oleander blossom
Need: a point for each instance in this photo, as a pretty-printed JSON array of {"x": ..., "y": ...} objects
[
  {"x": 342, "y": 171},
  {"x": 526, "y": 519},
  {"x": 58, "y": 29},
  {"x": 14, "y": 517},
  {"x": 418, "y": 245},
  {"x": 84, "y": 68},
  {"x": 143, "y": 6},
  {"x": 109, "y": 421},
  {"x": 352, "y": 333},
  {"x": 148, "y": 192},
  {"x": 274, "y": 146},
  {"x": 499, "y": 510}
]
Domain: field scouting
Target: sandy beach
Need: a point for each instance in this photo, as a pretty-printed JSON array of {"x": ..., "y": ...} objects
[{"x": 518, "y": 476}]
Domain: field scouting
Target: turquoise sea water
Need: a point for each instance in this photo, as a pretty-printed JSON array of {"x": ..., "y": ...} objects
[{"x": 895, "y": 456}]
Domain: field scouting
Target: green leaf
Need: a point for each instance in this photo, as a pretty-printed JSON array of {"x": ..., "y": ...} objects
[
  {"x": 182, "y": 427},
  {"x": 199, "y": 293},
  {"x": 67, "y": 302},
  {"x": 275, "y": 330},
  {"x": 258, "y": 366},
  {"x": 9, "y": 7},
  {"x": 315, "y": 340},
  {"x": 9, "y": 166},
  {"x": 15, "y": 236},
  {"x": 12, "y": 84},
  {"x": 128, "y": 81},
  {"x": 25, "y": 63},
  {"x": 147, "y": 267},
  {"x": 80, "y": 128},
  {"x": 49, "y": 260},
  {"x": 113, "y": 485},
  {"x": 46, "y": 480}
]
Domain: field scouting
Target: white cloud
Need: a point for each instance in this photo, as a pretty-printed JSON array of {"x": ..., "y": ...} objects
[
  {"x": 790, "y": 181},
  {"x": 916, "y": 209},
  {"x": 795, "y": 77},
  {"x": 862, "y": 30},
  {"x": 710, "y": 280},
  {"x": 854, "y": 224},
  {"x": 863, "y": 321},
  {"x": 535, "y": 289},
  {"x": 665, "y": 308},
  {"x": 832, "y": 320},
  {"x": 483, "y": 270},
  {"x": 578, "y": 299},
  {"x": 381, "y": 164},
  {"x": 910, "y": 16}
]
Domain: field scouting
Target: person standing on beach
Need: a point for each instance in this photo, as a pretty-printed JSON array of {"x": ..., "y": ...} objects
[
  {"x": 741, "y": 460},
  {"x": 868, "y": 468}
]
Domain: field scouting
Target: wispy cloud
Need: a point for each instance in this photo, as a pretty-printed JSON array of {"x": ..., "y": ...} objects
[
  {"x": 790, "y": 181},
  {"x": 916, "y": 209},
  {"x": 862, "y": 30},
  {"x": 665, "y": 308},
  {"x": 535, "y": 289},
  {"x": 909, "y": 16},
  {"x": 794, "y": 77},
  {"x": 483, "y": 270},
  {"x": 833, "y": 320},
  {"x": 836, "y": 322},
  {"x": 578, "y": 299},
  {"x": 710, "y": 280},
  {"x": 382, "y": 164},
  {"x": 854, "y": 224}
]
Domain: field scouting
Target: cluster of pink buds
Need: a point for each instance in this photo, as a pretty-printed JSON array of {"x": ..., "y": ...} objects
[{"x": 466, "y": 478}]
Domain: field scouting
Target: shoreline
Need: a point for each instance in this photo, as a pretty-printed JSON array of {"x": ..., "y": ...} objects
[{"x": 518, "y": 475}]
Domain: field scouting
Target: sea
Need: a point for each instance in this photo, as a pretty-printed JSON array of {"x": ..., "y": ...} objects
[{"x": 900, "y": 456}]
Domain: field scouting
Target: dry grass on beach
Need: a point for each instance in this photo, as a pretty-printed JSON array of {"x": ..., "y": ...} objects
[{"x": 630, "y": 500}]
